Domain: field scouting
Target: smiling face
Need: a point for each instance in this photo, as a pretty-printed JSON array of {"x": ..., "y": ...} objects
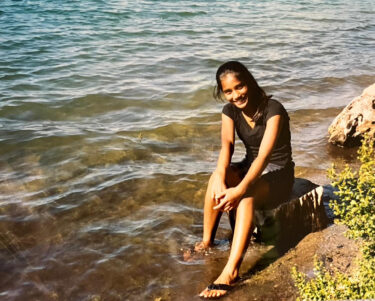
[{"x": 234, "y": 90}]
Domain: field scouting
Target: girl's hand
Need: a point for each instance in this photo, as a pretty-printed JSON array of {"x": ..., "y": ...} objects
[
  {"x": 229, "y": 199},
  {"x": 218, "y": 186}
]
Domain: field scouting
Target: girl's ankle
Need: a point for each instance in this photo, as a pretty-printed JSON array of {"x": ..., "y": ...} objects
[{"x": 202, "y": 245}]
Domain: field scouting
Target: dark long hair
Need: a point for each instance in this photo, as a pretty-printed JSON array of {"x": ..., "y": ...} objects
[{"x": 256, "y": 94}]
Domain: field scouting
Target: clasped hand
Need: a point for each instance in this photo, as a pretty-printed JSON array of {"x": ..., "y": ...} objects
[{"x": 228, "y": 199}]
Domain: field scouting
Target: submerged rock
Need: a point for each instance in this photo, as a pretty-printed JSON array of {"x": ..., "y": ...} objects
[{"x": 357, "y": 118}]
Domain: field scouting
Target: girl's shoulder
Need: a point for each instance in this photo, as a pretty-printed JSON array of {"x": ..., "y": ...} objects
[
  {"x": 230, "y": 110},
  {"x": 275, "y": 107},
  {"x": 274, "y": 103}
]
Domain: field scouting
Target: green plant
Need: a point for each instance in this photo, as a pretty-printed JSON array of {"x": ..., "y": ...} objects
[
  {"x": 356, "y": 192},
  {"x": 355, "y": 208}
]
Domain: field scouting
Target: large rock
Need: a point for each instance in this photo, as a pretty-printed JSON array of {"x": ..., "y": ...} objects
[
  {"x": 356, "y": 119},
  {"x": 287, "y": 224}
]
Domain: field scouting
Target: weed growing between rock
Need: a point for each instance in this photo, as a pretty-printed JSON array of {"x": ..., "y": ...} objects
[{"x": 354, "y": 208}]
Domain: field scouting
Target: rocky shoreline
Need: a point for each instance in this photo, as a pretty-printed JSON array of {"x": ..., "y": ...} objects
[{"x": 275, "y": 281}]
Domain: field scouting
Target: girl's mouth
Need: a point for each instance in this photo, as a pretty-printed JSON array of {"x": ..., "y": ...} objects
[{"x": 240, "y": 100}]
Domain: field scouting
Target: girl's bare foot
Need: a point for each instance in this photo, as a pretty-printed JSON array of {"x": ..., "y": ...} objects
[
  {"x": 202, "y": 247},
  {"x": 199, "y": 248}
]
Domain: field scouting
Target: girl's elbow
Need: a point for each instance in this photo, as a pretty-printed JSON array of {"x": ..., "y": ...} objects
[
  {"x": 226, "y": 144},
  {"x": 264, "y": 158},
  {"x": 228, "y": 148}
]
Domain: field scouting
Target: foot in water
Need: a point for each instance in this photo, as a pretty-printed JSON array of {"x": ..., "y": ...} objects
[
  {"x": 221, "y": 285},
  {"x": 200, "y": 248}
]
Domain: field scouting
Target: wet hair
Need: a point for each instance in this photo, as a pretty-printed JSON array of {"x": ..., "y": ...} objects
[{"x": 258, "y": 97}]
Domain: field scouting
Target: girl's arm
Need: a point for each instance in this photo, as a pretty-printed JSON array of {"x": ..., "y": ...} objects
[
  {"x": 226, "y": 152},
  {"x": 232, "y": 196}
]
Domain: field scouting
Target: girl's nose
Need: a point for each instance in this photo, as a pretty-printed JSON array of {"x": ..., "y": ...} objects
[{"x": 235, "y": 95}]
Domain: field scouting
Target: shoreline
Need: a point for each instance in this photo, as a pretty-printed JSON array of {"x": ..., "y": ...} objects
[{"x": 275, "y": 281}]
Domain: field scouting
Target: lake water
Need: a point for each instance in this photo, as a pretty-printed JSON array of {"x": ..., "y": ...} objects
[{"x": 109, "y": 131}]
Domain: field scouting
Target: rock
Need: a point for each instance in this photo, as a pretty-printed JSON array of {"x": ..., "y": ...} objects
[
  {"x": 274, "y": 282},
  {"x": 357, "y": 118},
  {"x": 287, "y": 224},
  {"x": 328, "y": 195}
]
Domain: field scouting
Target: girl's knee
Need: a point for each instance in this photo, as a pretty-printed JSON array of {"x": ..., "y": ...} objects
[{"x": 247, "y": 203}]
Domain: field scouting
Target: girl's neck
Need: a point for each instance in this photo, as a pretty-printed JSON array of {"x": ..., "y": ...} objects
[{"x": 249, "y": 111}]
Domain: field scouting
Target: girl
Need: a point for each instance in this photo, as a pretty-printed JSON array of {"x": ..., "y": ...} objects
[{"x": 263, "y": 179}]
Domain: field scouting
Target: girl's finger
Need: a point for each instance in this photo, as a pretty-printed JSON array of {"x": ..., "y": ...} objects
[
  {"x": 221, "y": 194},
  {"x": 227, "y": 207},
  {"x": 222, "y": 204}
]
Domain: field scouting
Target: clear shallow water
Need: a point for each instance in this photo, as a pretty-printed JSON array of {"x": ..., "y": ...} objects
[{"x": 108, "y": 130}]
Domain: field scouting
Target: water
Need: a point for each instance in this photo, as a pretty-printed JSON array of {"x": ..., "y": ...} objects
[{"x": 108, "y": 130}]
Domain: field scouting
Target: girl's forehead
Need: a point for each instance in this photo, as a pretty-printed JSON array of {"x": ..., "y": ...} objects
[
  {"x": 230, "y": 78},
  {"x": 228, "y": 73}
]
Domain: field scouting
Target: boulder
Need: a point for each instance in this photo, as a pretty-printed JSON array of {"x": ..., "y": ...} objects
[
  {"x": 290, "y": 222},
  {"x": 357, "y": 118}
]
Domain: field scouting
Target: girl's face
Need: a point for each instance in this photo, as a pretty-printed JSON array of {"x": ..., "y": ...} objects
[{"x": 235, "y": 91}]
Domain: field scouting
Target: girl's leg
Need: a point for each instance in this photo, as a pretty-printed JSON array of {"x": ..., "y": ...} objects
[
  {"x": 242, "y": 232},
  {"x": 212, "y": 217}
]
